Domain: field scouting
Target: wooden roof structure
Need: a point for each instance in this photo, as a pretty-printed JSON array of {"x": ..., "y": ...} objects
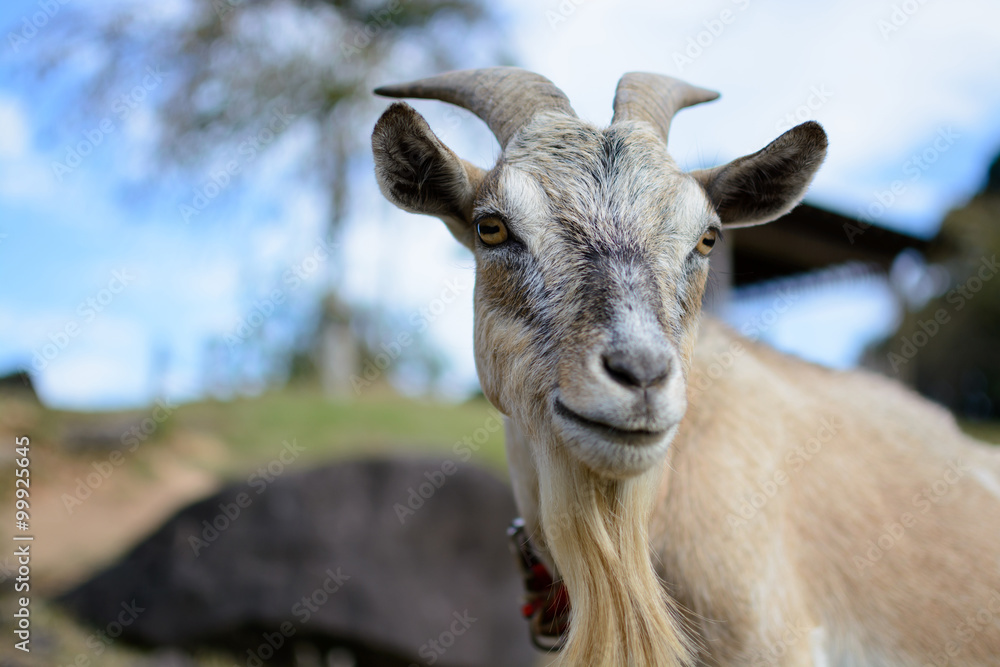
[{"x": 806, "y": 239}]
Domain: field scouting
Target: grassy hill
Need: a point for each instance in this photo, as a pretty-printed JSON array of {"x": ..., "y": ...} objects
[{"x": 100, "y": 482}]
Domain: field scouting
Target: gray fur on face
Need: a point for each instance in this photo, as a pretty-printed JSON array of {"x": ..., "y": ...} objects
[{"x": 602, "y": 265}]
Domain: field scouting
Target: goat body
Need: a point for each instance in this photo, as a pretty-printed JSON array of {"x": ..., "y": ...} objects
[{"x": 834, "y": 517}]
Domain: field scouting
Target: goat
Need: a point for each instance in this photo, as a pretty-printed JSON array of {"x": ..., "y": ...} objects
[{"x": 705, "y": 499}]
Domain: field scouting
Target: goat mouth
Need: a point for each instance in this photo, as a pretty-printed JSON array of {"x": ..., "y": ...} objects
[{"x": 608, "y": 432}]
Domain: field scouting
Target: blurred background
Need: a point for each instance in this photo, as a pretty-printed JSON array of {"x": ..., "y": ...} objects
[{"x": 201, "y": 279}]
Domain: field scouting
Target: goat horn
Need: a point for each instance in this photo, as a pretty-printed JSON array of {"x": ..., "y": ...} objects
[
  {"x": 507, "y": 98},
  {"x": 655, "y": 99}
]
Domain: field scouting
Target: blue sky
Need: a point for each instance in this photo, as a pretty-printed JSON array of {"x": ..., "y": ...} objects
[{"x": 886, "y": 85}]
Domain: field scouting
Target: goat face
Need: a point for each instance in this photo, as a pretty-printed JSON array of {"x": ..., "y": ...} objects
[
  {"x": 591, "y": 251},
  {"x": 583, "y": 310}
]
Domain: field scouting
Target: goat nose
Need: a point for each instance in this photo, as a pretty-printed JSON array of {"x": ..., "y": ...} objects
[{"x": 638, "y": 368}]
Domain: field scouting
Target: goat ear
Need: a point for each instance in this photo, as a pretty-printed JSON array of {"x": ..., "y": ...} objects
[
  {"x": 418, "y": 173},
  {"x": 758, "y": 188}
]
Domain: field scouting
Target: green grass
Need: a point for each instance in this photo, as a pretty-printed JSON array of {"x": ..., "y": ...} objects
[
  {"x": 985, "y": 431},
  {"x": 256, "y": 428}
]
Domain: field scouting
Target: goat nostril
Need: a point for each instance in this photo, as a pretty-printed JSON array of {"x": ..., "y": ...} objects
[
  {"x": 637, "y": 369},
  {"x": 617, "y": 368}
]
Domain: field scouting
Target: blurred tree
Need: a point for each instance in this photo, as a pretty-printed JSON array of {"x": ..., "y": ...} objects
[
  {"x": 225, "y": 78},
  {"x": 219, "y": 71},
  {"x": 993, "y": 178},
  {"x": 948, "y": 348}
]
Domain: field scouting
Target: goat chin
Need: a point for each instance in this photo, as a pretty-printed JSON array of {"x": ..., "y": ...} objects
[{"x": 596, "y": 530}]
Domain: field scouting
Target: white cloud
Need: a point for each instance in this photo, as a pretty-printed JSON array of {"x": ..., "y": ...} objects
[
  {"x": 107, "y": 364},
  {"x": 14, "y": 132}
]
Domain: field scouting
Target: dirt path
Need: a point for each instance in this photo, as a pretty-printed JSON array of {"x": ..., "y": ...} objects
[
  {"x": 73, "y": 540},
  {"x": 86, "y": 510}
]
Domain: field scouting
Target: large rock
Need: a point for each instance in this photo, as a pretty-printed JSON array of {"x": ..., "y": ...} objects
[{"x": 324, "y": 559}]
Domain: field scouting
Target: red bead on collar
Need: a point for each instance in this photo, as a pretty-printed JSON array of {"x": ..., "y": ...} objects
[{"x": 546, "y": 601}]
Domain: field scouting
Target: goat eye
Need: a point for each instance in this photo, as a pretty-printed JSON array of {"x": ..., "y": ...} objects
[
  {"x": 707, "y": 241},
  {"x": 492, "y": 231}
]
